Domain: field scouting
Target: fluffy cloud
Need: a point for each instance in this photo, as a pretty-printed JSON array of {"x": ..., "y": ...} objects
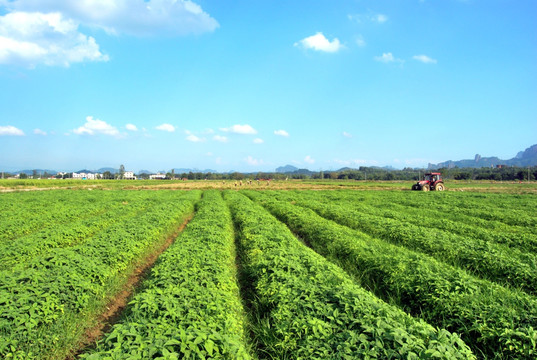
[
  {"x": 166, "y": 127},
  {"x": 95, "y": 127},
  {"x": 319, "y": 42},
  {"x": 29, "y": 39},
  {"x": 254, "y": 162},
  {"x": 10, "y": 130},
  {"x": 131, "y": 127},
  {"x": 258, "y": 141},
  {"x": 424, "y": 59},
  {"x": 240, "y": 129},
  {"x": 387, "y": 58},
  {"x": 194, "y": 138},
  {"x": 35, "y": 32},
  {"x": 133, "y": 17},
  {"x": 40, "y": 132},
  {"x": 309, "y": 159},
  {"x": 281, "y": 133},
  {"x": 346, "y": 134},
  {"x": 220, "y": 138}
]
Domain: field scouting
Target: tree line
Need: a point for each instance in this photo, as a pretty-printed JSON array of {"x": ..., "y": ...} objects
[{"x": 362, "y": 173}]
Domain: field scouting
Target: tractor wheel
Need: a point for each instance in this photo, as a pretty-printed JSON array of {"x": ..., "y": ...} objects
[
  {"x": 440, "y": 187},
  {"x": 425, "y": 187}
]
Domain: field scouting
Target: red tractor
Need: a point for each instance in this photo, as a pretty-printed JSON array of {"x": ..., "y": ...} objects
[{"x": 431, "y": 181}]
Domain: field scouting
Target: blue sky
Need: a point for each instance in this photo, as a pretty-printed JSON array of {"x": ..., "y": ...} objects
[{"x": 252, "y": 85}]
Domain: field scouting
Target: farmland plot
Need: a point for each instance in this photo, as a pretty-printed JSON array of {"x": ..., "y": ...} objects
[
  {"x": 48, "y": 300},
  {"x": 270, "y": 274}
]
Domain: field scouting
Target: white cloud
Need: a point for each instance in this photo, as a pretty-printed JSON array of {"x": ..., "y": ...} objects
[
  {"x": 10, "y": 130},
  {"x": 281, "y": 133},
  {"x": 220, "y": 138},
  {"x": 194, "y": 138},
  {"x": 319, "y": 42},
  {"x": 424, "y": 59},
  {"x": 29, "y": 39},
  {"x": 254, "y": 162},
  {"x": 131, "y": 127},
  {"x": 369, "y": 17},
  {"x": 40, "y": 132},
  {"x": 387, "y": 58},
  {"x": 346, "y": 134},
  {"x": 166, "y": 127},
  {"x": 309, "y": 159},
  {"x": 95, "y": 127},
  {"x": 360, "y": 41},
  {"x": 133, "y": 17},
  {"x": 240, "y": 129},
  {"x": 380, "y": 18},
  {"x": 258, "y": 141}
]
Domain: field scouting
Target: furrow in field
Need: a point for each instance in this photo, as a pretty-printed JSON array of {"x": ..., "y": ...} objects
[
  {"x": 305, "y": 307},
  {"x": 488, "y": 260},
  {"x": 466, "y": 204},
  {"x": 46, "y": 305},
  {"x": 22, "y": 250},
  {"x": 189, "y": 306},
  {"x": 524, "y": 241},
  {"x": 496, "y": 322}
]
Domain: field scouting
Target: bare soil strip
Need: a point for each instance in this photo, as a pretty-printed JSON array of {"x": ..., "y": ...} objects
[{"x": 119, "y": 302}]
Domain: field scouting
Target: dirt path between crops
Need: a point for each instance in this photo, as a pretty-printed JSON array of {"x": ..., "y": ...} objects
[{"x": 119, "y": 302}]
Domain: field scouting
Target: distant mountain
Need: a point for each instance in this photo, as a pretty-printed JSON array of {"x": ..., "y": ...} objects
[
  {"x": 524, "y": 158},
  {"x": 144, "y": 172},
  {"x": 286, "y": 169},
  {"x": 182, "y": 170},
  {"x": 112, "y": 170},
  {"x": 86, "y": 171}
]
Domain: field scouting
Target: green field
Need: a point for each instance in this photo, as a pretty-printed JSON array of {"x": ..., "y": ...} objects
[{"x": 300, "y": 270}]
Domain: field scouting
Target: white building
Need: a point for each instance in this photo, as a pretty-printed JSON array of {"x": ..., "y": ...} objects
[
  {"x": 129, "y": 175},
  {"x": 157, "y": 177},
  {"x": 86, "y": 176}
]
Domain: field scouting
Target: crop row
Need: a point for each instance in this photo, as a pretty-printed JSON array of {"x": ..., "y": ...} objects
[
  {"x": 25, "y": 248},
  {"x": 45, "y": 304},
  {"x": 305, "y": 307},
  {"x": 488, "y": 260},
  {"x": 189, "y": 306},
  {"x": 494, "y": 321},
  {"x": 29, "y": 213},
  {"x": 428, "y": 216},
  {"x": 502, "y": 208}
]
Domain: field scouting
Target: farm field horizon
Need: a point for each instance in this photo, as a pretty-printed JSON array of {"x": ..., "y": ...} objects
[{"x": 275, "y": 270}]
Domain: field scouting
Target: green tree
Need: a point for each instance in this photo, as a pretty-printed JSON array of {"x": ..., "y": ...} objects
[{"x": 121, "y": 171}]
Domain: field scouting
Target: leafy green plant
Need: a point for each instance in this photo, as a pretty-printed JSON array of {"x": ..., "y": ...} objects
[
  {"x": 189, "y": 306},
  {"x": 306, "y": 307},
  {"x": 493, "y": 320},
  {"x": 41, "y": 298}
]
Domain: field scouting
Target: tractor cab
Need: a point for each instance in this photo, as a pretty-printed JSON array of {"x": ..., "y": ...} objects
[{"x": 431, "y": 181}]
